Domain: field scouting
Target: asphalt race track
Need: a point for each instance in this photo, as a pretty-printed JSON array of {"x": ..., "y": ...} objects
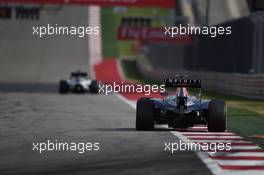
[
  {"x": 36, "y": 117},
  {"x": 31, "y": 110}
]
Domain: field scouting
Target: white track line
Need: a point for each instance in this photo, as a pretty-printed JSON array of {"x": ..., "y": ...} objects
[
  {"x": 132, "y": 104},
  {"x": 199, "y": 127}
]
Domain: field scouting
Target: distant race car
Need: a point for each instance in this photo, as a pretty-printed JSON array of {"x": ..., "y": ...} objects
[
  {"x": 78, "y": 83},
  {"x": 181, "y": 110}
]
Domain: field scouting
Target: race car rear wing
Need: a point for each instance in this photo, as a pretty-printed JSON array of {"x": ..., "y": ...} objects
[
  {"x": 179, "y": 82},
  {"x": 79, "y": 74}
]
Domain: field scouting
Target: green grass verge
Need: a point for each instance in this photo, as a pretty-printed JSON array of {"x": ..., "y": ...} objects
[
  {"x": 111, "y": 47},
  {"x": 245, "y": 116},
  {"x": 246, "y": 123},
  {"x": 129, "y": 70},
  {"x": 125, "y": 48}
]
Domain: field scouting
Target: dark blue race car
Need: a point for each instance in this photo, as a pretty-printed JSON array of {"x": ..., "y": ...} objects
[{"x": 181, "y": 110}]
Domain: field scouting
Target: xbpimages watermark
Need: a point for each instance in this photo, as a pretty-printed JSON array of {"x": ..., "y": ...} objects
[{"x": 122, "y": 87}]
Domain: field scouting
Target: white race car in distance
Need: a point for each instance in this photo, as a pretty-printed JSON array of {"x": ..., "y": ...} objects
[{"x": 78, "y": 83}]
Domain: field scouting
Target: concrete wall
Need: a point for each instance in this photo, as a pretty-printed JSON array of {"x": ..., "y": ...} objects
[{"x": 25, "y": 58}]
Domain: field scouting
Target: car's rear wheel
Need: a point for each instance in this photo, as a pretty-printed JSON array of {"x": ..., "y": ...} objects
[
  {"x": 145, "y": 115},
  {"x": 63, "y": 87},
  {"x": 217, "y": 116},
  {"x": 94, "y": 87}
]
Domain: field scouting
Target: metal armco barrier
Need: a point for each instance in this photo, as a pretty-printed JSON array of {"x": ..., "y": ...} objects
[{"x": 249, "y": 86}]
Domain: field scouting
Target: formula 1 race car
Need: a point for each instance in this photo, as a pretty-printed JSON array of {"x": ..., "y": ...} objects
[
  {"x": 78, "y": 83},
  {"x": 181, "y": 110}
]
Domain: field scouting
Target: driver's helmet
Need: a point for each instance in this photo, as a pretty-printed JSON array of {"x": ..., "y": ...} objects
[{"x": 182, "y": 92}]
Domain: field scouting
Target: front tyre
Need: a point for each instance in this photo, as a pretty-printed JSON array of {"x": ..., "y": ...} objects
[
  {"x": 145, "y": 115},
  {"x": 217, "y": 116},
  {"x": 63, "y": 87},
  {"x": 94, "y": 87}
]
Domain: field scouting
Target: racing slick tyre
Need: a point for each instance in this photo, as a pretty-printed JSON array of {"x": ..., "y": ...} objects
[
  {"x": 145, "y": 115},
  {"x": 94, "y": 87},
  {"x": 63, "y": 87},
  {"x": 217, "y": 116}
]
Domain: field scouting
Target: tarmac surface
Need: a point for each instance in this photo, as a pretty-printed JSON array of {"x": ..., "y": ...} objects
[{"x": 38, "y": 117}]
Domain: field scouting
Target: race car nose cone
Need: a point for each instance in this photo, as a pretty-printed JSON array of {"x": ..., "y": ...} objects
[{"x": 78, "y": 89}]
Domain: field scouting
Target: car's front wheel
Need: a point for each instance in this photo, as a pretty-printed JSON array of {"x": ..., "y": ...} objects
[
  {"x": 145, "y": 115},
  {"x": 94, "y": 87},
  {"x": 217, "y": 116},
  {"x": 63, "y": 87}
]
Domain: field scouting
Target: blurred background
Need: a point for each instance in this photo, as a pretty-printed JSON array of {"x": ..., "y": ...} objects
[{"x": 231, "y": 64}]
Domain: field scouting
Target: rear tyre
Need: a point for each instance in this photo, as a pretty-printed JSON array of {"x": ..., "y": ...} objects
[
  {"x": 145, "y": 115},
  {"x": 63, "y": 87},
  {"x": 94, "y": 87},
  {"x": 217, "y": 116}
]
